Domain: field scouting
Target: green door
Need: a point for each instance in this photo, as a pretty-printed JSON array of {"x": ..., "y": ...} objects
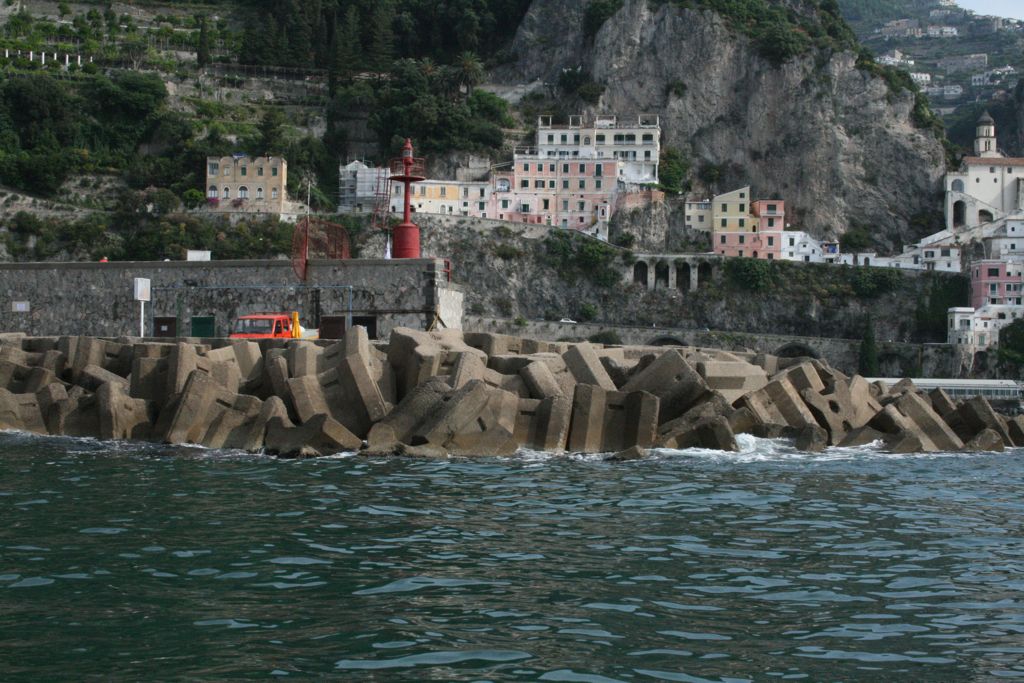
[{"x": 204, "y": 326}]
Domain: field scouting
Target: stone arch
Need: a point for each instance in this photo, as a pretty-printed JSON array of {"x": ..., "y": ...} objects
[
  {"x": 959, "y": 213},
  {"x": 683, "y": 277},
  {"x": 704, "y": 274},
  {"x": 666, "y": 341},
  {"x": 640, "y": 273},
  {"x": 661, "y": 275},
  {"x": 958, "y": 185},
  {"x": 796, "y": 350},
  {"x": 985, "y": 216}
]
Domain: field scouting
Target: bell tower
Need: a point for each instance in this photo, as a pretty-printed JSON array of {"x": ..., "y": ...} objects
[{"x": 985, "y": 137}]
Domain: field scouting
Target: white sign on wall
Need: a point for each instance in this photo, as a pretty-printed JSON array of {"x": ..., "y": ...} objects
[
  {"x": 142, "y": 289},
  {"x": 20, "y": 307}
]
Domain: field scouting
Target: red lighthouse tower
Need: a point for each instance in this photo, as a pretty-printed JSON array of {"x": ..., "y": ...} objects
[{"x": 407, "y": 170}]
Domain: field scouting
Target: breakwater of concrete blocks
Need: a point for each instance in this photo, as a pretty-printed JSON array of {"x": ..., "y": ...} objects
[{"x": 471, "y": 394}]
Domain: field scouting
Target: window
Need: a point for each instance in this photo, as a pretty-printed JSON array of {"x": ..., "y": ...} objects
[
  {"x": 526, "y": 167},
  {"x": 771, "y": 222},
  {"x": 600, "y": 139},
  {"x": 212, "y": 192},
  {"x": 565, "y": 138},
  {"x": 742, "y": 239},
  {"x": 227, "y": 171},
  {"x": 583, "y": 206},
  {"x": 725, "y": 207},
  {"x": 259, "y": 193},
  {"x": 597, "y": 184},
  {"x": 565, "y": 205},
  {"x": 244, "y": 170},
  {"x": 273, "y": 171},
  {"x": 227, "y": 193},
  {"x": 243, "y": 192},
  {"x": 480, "y": 206},
  {"x": 583, "y": 184},
  {"x": 944, "y": 252},
  {"x": 214, "y": 169},
  {"x": 743, "y": 207},
  {"x": 929, "y": 254},
  {"x": 565, "y": 168},
  {"x": 771, "y": 257},
  {"x": 586, "y": 140},
  {"x": 481, "y": 193},
  {"x": 991, "y": 169},
  {"x": 742, "y": 222},
  {"x": 992, "y": 288},
  {"x": 648, "y": 139},
  {"x": 525, "y": 208},
  {"x": 538, "y": 184},
  {"x": 583, "y": 168},
  {"x": 772, "y": 208},
  {"x": 524, "y": 183},
  {"x": 700, "y": 218},
  {"x": 598, "y": 170},
  {"x": 724, "y": 222},
  {"x": 551, "y": 139},
  {"x": 743, "y": 195},
  {"x": 273, "y": 193},
  {"x": 551, "y": 168},
  {"x": 259, "y": 171},
  {"x": 444, "y": 191},
  {"x": 565, "y": 184},
  {"x": 465, "y": 192},
  {"x": 504, "y": 203},
  {"x": 771, "y": 243},
  {"x": 551, "y": 184},
  {"x": 546, "y": 204},
  {"x": 792, "y": 241},
  {"x": 721, "y": 239},
  {"x": 993, "y": 272}
]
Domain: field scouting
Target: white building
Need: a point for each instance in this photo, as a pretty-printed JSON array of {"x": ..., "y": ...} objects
[
  {"x": 921, "y": 78},
  {"x": 988, "y": 185},
  {"x": 359, "y": 186},
  {"x": 636, "y": 143}
]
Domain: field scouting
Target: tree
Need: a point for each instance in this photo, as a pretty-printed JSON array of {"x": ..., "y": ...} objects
[
  {"x": 381, "y": 49},
  {"x": 271, "y": 128},
  {"x": 203, "y": 55},
  {"x": 471, "y": 71},
  {"x": 867, "y": 362},
  {"x": 1011, "y": 343},
  {"x": 673, "y": 170}
]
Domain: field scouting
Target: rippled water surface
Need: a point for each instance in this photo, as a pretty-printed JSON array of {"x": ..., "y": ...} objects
[{"x": 123, "y": 561}]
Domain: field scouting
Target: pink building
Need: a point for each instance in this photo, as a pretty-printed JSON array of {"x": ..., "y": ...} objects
[
  {"x": 568, "y": 194},
  {"x": 760, "y": 235},
  {"x": 995, "y": 282}
]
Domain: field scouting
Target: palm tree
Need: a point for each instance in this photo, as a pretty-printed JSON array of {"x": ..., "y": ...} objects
[{"x": 470, "y": 71}]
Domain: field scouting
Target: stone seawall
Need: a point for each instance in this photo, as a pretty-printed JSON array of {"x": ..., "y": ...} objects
[
  {"x": 468, "y": 394},
  {"x": 97, "y": 298}
]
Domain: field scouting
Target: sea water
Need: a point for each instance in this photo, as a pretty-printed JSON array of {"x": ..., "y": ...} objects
[{"x": 125, "y": 561}]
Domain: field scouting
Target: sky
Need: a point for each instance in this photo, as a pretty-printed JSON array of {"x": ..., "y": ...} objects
[{"x": 998, "y": 8}]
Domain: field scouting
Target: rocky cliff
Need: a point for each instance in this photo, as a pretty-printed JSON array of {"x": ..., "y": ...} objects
[{"x": 836, "y": 142}]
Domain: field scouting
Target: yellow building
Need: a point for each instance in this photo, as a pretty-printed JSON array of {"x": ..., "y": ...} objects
[
  {"x": 447, "y": 197},
  {"x": 731, "y": 212},
  {"x": 244, "y": 184}
]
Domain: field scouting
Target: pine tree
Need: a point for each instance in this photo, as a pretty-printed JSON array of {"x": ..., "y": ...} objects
[
  {"x": 381, "y": 51},
  {"x": 868, "y": 357},
  {"x": 347, "y": 50},
  {"x": 203, "y": 56}
]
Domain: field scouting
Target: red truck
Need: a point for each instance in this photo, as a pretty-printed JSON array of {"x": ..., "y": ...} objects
[{"x": 269, "y": 326}]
